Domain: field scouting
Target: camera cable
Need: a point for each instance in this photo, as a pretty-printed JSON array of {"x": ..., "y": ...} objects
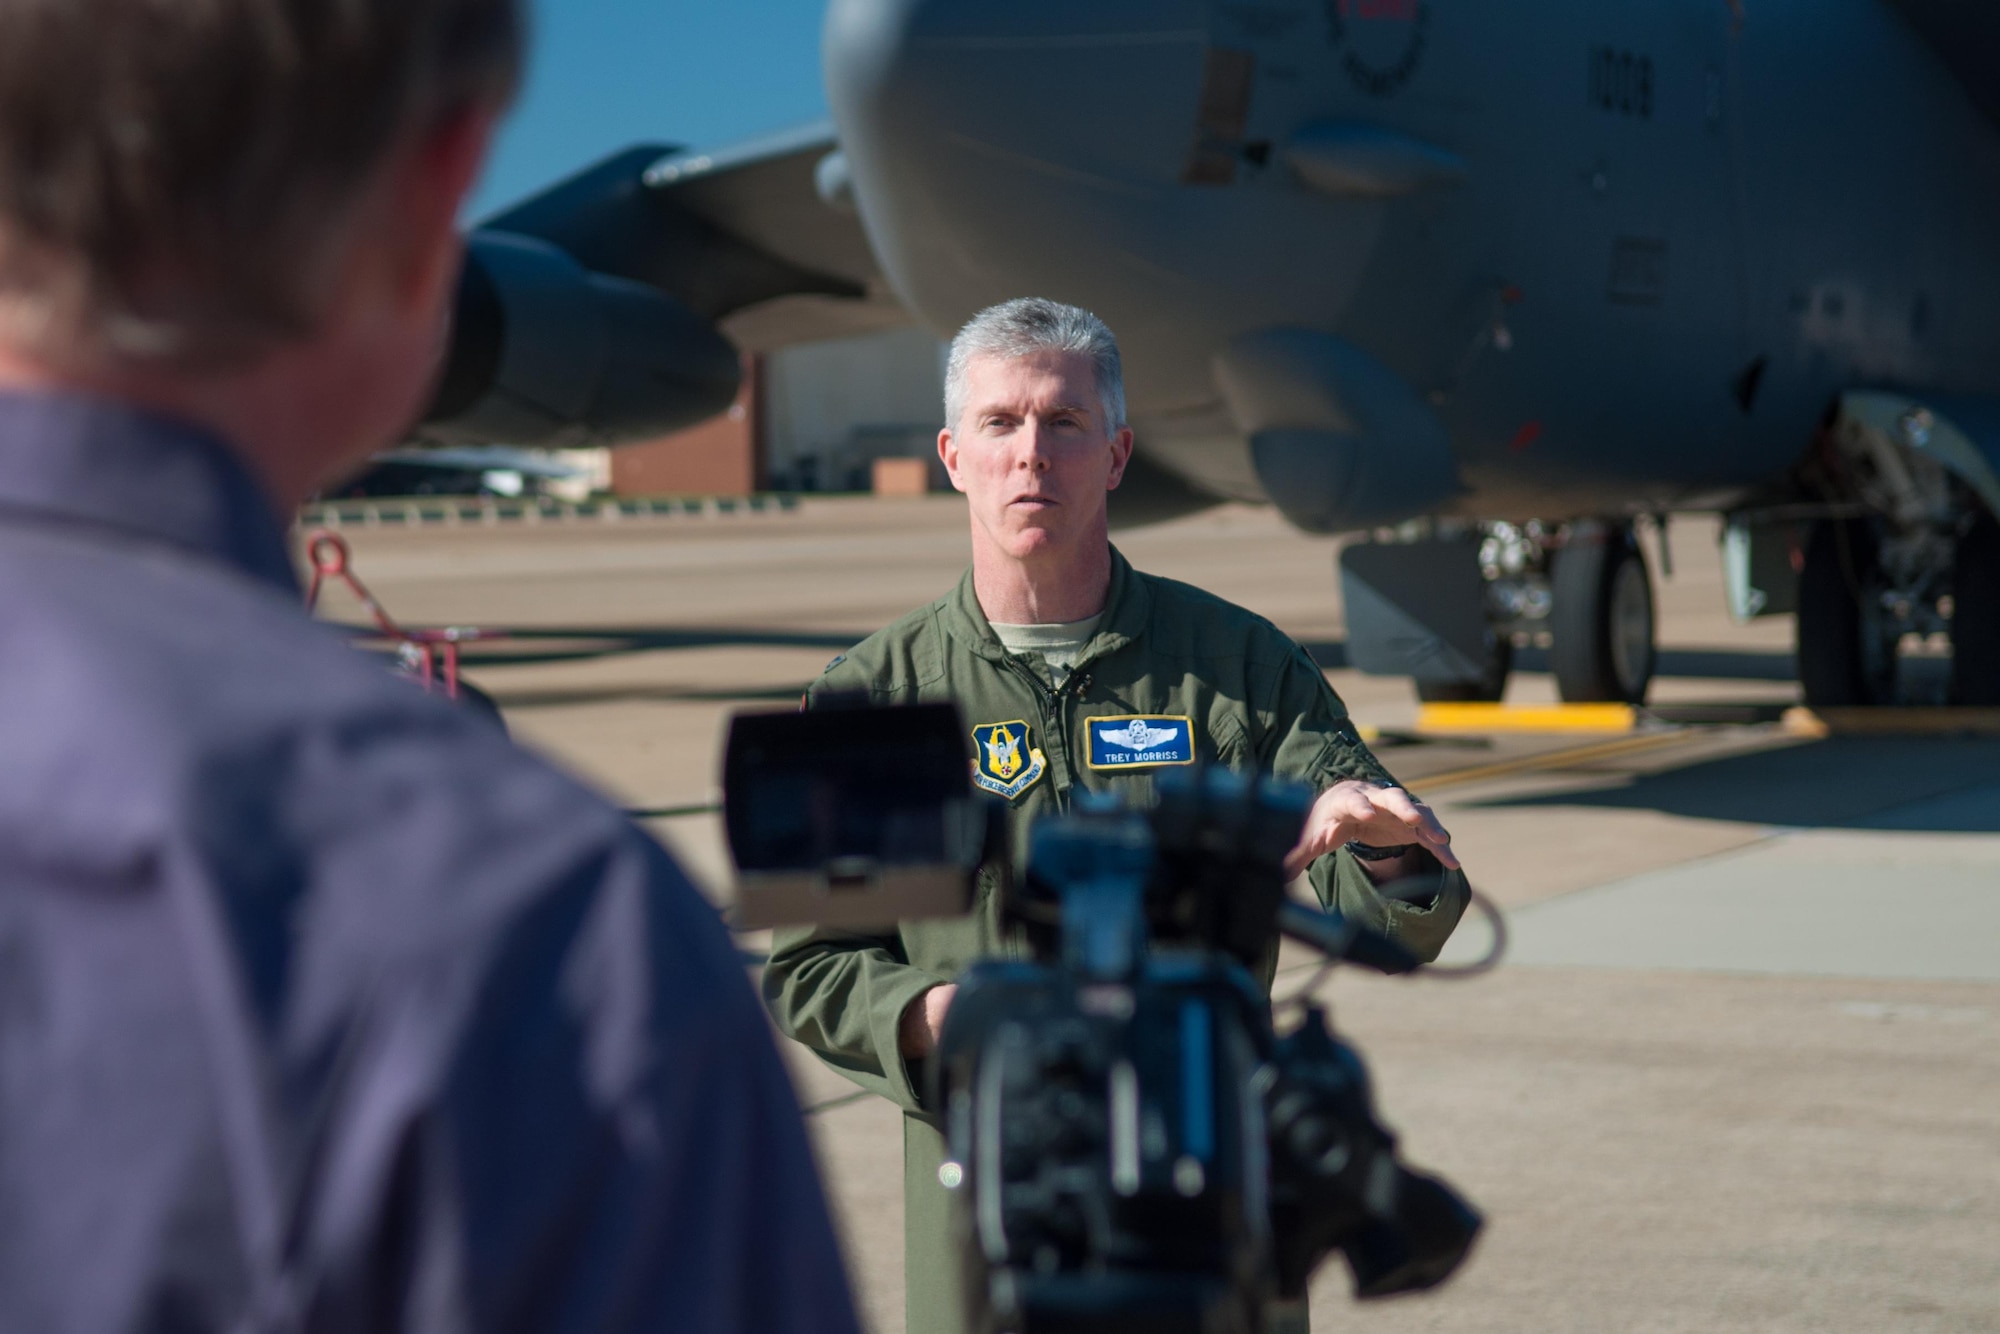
[{"x": 1485, "y": 963}]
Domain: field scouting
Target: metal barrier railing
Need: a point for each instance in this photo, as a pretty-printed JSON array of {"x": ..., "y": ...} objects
[
  {"x": 419, "y": 511},
  {"x": 431, "y": 655}
]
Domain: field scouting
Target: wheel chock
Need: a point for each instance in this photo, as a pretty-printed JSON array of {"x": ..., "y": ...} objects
[
  {"x": 1892, "y": 721},
  {"x": 1457, "y": 717}
]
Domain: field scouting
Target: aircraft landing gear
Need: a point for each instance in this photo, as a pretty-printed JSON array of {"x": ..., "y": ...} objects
[
  {"x": 1919, "y": 562},
  {"x": 1601, "y": 617},
  {"x": 1846, "y": 646},
  {"x": 1514, "y": 602},
  {"x": 1580, "y": 590},
  {"x": 1854, "y": 612},
  {"x": 1975, "y": 618}
]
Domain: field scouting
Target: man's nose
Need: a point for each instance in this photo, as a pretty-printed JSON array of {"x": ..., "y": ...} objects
[{"x": 1031, "y": 446}]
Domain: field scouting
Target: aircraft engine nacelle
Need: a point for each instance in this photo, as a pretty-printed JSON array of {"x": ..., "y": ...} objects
[
  {"x": 545, "y": 352},
  {"x": 1339, "y": 441}
]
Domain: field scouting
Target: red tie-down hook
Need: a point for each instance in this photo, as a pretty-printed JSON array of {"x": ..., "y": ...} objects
[{"x": 432, "y": 655}]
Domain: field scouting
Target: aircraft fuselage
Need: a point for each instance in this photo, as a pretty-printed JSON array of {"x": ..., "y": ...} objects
[{"x": 1625, "y": 256}]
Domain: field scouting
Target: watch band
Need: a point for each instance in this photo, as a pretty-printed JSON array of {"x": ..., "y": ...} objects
[{"x": 1369, "y": 852}]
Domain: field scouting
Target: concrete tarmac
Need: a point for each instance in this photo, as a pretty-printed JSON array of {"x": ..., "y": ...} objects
[{"x": 1741, "y": 1072}]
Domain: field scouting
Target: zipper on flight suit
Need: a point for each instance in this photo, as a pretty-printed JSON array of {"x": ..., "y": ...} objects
[
  {"x": 1059, "y": 701},
  {"x": 1073, "y": 685}
]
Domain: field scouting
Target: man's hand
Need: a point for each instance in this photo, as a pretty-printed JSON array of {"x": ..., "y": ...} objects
[
  {"x": 923, "y": 1020},
  {"x": 1368, "y": 812}
]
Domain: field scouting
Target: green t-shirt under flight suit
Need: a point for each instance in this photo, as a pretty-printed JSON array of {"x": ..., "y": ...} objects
[{"x": 1171, "y": 667}]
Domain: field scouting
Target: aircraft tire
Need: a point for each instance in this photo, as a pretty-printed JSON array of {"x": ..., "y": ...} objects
[
  {"x": 1487, "y": 689},
  {"x": 1838, "y": 667},
  {"x": 1602, "y": 618},
  {"x": 1975, "y": 616}
]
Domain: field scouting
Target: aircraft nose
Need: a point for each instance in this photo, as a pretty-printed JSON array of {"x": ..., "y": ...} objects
[
  {"x": 968, "y": 123},
  {"x": 1019, "y": 69}
]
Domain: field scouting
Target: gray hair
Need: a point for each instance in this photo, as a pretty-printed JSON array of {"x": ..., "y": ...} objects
[{"x": 1031, "y": 324}]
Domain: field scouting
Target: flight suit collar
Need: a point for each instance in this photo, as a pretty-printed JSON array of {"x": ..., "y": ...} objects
[
  {"x": 1128, "y": 608},
  {"x": 86, "y": 463}
]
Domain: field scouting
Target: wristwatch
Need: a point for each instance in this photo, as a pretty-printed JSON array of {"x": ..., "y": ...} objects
[{"x": 1368, "y": 852}]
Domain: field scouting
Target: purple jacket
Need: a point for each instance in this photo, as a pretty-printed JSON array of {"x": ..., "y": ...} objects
[{"x": 322, "y": 1007}]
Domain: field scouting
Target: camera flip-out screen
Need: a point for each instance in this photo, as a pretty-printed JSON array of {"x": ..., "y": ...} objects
[{"x": 850, "y": 817}]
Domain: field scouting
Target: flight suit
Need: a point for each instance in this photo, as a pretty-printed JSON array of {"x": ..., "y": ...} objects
[{"x": 1205, "y": 681}]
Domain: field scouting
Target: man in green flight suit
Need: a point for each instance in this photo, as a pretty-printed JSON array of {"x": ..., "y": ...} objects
[{"x": 1073, "y": 670}]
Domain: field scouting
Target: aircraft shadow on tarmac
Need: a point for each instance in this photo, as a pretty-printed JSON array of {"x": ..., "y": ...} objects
[
  {"x": 529, "y": 698},
  {"x": 516, "y": 646},
  {"x": 519, "y": 646},
  {"x": 584, "y": 643},
  {"x": 1701, "y": 664},
  {"x": 1854, "y": 782}
]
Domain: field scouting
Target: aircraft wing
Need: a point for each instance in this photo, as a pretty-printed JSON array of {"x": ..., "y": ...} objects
[
  {"x": 788, "y": 195},
  {"x": 760, "y": 236},
  {"x": 612, "y": 305},
  {"x": 1966, "y": 36}
]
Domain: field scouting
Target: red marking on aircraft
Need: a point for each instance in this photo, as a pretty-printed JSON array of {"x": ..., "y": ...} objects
[
  {"x": 1395, "y": 11},
  {"x": 1529, "y": 433}
]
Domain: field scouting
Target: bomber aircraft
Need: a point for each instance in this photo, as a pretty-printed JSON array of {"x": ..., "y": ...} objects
[{"x": 1501, "y": 287}]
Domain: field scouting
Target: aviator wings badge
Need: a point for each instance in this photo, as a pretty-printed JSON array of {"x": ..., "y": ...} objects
[{"x": 1005, "y": 764}]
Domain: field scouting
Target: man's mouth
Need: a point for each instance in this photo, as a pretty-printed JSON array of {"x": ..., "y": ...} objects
[{"x": 1033, "y": 502}]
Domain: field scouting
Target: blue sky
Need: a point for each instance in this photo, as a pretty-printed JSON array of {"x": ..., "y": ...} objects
[{"x": 608, "y": 73}]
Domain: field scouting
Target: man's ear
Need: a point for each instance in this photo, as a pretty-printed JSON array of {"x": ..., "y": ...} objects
[
  {"x": 1121, "y": 454},
  {"x": 948, "y": 455}
]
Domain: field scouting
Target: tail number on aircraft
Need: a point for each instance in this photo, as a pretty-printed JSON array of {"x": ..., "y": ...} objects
[{"x": 1621, "y": 82}]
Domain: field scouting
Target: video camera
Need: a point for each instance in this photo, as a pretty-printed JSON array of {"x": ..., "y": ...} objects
[{"x": 1135, "y": 1146}]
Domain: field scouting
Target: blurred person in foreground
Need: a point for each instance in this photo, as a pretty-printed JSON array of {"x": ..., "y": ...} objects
[
  {"x": 1075, "y": 671},
  {"x": 321, "y": 1006}
]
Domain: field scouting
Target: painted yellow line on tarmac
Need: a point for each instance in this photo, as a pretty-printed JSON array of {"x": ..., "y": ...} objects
[
  {"x": 1555, "y": 759},
  {"x": 1526, "y": 718}
]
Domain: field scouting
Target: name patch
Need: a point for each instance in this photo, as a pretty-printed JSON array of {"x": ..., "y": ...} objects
[
  {"x": 1005, "y": 764},
  {"x": 1134, "y": 743}
]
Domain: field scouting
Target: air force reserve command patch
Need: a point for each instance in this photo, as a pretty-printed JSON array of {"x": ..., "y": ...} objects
[
  {"x": 1135, "y": 743},
  {"x": 1006, "y": 764}
]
